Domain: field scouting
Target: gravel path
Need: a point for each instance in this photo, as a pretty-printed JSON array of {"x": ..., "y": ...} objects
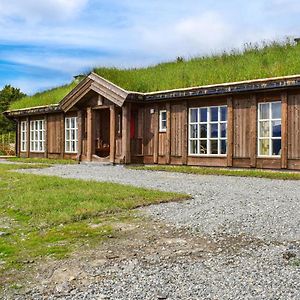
[{"x": 262, "y": 210}]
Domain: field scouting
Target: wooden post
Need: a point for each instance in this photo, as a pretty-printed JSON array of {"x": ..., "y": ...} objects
[
  {"x": 284, "y": 130},
  {"x": 253, "y": 132},
  {"x": 89, "y": 134},
  {"x": 185, "y": 133},
  {"x": 18, "y": 138},
  {"x": 46, "y": 136},
  {"x": 112, "y": 133},
  {"x": 62, "y": 135},
  {"x": 168, "y": 134},
  {"x": 230, "y": 129},
  {"x": 79, "y": 126},
  {"x": 156, "y": 134},
  {"x": 126, "y": 111},
  {"x": 28, "y": 137}
]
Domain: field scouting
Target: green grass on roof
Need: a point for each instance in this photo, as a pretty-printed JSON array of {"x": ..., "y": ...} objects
[
  {"x": 52, "y": 96},
  {"x": 254, "y": 62}
]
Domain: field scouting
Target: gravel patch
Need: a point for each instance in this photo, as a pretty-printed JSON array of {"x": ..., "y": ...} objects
[{"x": 222, "y": 208}]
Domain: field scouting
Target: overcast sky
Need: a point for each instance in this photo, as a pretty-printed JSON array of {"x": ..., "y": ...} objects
[{"x": 43, "y": 43}]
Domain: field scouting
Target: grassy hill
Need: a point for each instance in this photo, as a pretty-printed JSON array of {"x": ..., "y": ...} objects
[{"x": 254, "y": 62}]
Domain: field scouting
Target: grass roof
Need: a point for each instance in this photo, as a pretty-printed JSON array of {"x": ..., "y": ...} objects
[{"x": 254, "y": 62}]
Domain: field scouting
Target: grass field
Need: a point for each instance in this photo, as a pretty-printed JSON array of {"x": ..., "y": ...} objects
[
  {"x": 50, "y": 216},
  {"x": 42, "y": 161},
  {"x": 224, "y": 172},
  {"x": 253, "y": 62}
]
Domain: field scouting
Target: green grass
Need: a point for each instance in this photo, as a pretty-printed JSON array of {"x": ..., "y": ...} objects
[
  {"x": 42, "y": 161},
  {"x": 52, "y": 96},
  {"x": 253, "y": 62},
  {"x": 223, "y": 172},
  {"x": 51, "y": 216}
]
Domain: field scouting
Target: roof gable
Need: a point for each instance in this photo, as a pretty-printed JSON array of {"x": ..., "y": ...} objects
[{"x": 96, "y": 83}]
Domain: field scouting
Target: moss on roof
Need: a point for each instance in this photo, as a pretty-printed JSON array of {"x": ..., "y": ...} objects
[
  {"x": 52, "y": 96},
  {"x": 254, "y": 62}
]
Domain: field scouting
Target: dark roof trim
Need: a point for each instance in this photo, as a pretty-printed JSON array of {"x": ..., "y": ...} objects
[
  {"x": 228, "y": 88},
  {"x": 48, "y": 109}
]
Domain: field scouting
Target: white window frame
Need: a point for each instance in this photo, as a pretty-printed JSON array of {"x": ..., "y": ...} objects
[
  {"x": 23, "y": 136},
  {"x": 208, "y": 138},
  {"x": 270, "y": 137},
  {"x": 70, "y": 132},
  {"x": 162, "y": 127},
  {"x": 37, "y": 135}
]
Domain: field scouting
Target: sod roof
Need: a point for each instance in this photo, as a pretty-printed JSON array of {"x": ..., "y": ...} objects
[{"x": 272, "y": 60}]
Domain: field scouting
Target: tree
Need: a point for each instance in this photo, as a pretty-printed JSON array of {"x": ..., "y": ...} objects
[{"x": 8, "y": 95}]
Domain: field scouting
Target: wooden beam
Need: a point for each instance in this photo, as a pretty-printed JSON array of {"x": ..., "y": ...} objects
[
  {"x": 185, "y": 132},
  {"x": 126, "y": 111},
  {"x": 28, "y": 137},
  {"x": 253, "y": 131},
  {"x": 230, "y": 128},
  {"x": 18, "y": 138},
  {"x": 168, "y": 133},
  {"x": 80, "y": 134},
  {"x": 46, "y": 136},
  {"x": 284, "y": 130},
  {"x": 62, "y": 135},
  {"x": 89, "y": 151},
  {"x": 156, "y": 134},
  {"x": 112, "y": 133}
]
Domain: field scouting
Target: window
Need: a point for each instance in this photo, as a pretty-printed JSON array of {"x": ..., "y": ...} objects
[
  {"x": 23, "y": 136},
  {"x": 37, "y": 136},
  {"x": 269, "y": 129},
  {"x": 71, "y": 135},
  {"x": 162, "y": 120},
  {"x": 208, "y": 131}
]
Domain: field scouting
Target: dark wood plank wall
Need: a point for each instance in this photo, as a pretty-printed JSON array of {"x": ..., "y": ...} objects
[
  {"x": 171, "y": 147},
  {"x": 241, "y": 127}
]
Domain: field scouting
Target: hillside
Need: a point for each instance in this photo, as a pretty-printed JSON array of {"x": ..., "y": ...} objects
[{"x": 253, "y": 62}]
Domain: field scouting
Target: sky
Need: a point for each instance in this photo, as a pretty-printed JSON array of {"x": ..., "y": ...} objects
[{"x": 45, "y": 43}]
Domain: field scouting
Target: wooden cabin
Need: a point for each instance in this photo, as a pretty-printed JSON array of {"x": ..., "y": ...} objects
[{"x": 249, "y": 124}]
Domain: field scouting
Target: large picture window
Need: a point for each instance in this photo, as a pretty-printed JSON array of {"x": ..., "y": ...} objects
[
  {"x": 37, "y": 136},
  {"x": 71, "y": 135},
  {"x": 269, "y": 129},
  {"x": 23, "y": 134},
  {"x": 208, "y": 130}
]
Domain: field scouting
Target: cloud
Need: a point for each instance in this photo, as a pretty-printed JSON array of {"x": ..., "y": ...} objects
[{"x": 33, "y": 11}]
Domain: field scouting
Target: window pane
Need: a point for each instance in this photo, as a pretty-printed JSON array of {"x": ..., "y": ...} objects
[
  {"x": 276, "y": 147},
  {"x": 223, "y": 130},
  {"x": 223, "y": 146},
  {"x": 214, "y": 114},
  {"x": 163, "y": 116},
  {"x": 264, "y": 129},
  {"x": 203, "y": 131},
  {"x": 194, "y": 115},
  {"x": 203, "y": 115},
  {"x": 194, "y": 147},
  {"x": 276, "y": 110},
  {"x": 194, "y": 131},
  {"x": 223, "y": 113},
  {"x": 67, "y": 123},
  {"x": 264, "y": 147},
  {"x": 214, "y": 130},
  {"x": 67, "y": 146},
  {"x": 276, "y": 128},
  {"x": 264, "y": 112},
  {"x": 213, "y": 146},
  {"x": 73, "y": 123},
  {"x": 203, "y": 147},
  {"x": 164, "y": 124}
]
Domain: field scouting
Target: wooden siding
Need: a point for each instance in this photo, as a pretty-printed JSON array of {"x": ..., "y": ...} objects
[
  {"x": 177, "y": 127},
  {"x": 54, "y": 134},
  {"x": 242, "y": 127},
  {"x": 294, "y": 126}
]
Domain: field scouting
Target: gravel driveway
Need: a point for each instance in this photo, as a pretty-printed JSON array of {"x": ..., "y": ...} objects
[{"x": 264, "y": 212}]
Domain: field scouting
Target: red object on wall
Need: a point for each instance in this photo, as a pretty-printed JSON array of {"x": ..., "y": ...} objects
[{"x": 132, "y": 125}]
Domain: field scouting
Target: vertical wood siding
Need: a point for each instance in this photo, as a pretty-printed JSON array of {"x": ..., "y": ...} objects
[
  {"x": 294, "y": 127},
  {"x": 54, "y": 134}
]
